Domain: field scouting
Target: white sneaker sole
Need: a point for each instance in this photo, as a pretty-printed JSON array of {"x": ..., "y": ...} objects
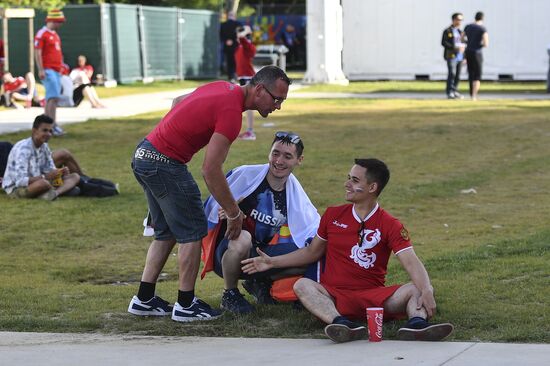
[{"x": 435, "y": 332}]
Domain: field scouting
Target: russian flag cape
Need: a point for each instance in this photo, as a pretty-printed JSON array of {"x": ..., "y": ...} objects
[{"x": 302, "y": 217}]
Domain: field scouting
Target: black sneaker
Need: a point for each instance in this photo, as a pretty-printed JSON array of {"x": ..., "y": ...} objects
[
  {"x": 260, "y": 290},
  {"x": 344, "y": 330},
  {"x": 234, "y": 301},
  {"x": 198, "y": 310},
  {"x": 424, "y": 331},
  {"x": 154, "y": 307}
]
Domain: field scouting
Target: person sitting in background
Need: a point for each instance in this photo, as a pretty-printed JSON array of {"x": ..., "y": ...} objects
[
  {"x": 245, "y": 71},
  {"x": 73, "y": 93},
  {"x": 31, "y": 172},
  {"x": 22, "y": 89}
]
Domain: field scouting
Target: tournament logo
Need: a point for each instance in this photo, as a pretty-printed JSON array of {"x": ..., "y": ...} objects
[{"x": 359, "y": 254}]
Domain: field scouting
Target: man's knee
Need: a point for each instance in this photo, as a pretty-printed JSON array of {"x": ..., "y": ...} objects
[
  {"x": 242, "y": 244},
  {"x": 303, "y": 286}
]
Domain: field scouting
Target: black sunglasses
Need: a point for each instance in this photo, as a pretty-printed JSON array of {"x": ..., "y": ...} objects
[
  {"x": 292, "y": 137},
  {"x": 276, "y": 100}
]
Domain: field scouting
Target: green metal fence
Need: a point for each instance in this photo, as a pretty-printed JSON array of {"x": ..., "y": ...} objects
[{"x": 130, "y": 42}]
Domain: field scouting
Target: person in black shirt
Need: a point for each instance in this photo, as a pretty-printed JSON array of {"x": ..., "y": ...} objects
[
  {"x": 228, "y": 36},
  {"x": 477, "y": 38},
  {"x": 453, "y": 53}
]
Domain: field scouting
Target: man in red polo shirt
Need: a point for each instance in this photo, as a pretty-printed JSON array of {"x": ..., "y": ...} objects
[
  {"x": 212, "y": 115},
  {"x": 356, "y": 241},
  {"x": 49, "y": 59}
]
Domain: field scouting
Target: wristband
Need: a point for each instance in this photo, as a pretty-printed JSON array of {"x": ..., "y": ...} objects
[{"x": 234, "y": 218}]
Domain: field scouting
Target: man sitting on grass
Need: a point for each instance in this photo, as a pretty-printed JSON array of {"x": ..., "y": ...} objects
[
  {"x": 30, "y": 171},
  {"x": 279, "y": 218},
  {"x": 356, "y": 241}
]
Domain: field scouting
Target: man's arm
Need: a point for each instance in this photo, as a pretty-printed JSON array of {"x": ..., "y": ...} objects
[
  {"x": 212, "y": 172},
  {"x": 485, "y": 40},
  {"x": 419, "y": 277},
  {"x": 39, "y": 65},
  {"x": 298, "y": 258}
]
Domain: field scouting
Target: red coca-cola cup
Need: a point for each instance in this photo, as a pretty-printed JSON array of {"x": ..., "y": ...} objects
[{"x": 375, "y": 318}]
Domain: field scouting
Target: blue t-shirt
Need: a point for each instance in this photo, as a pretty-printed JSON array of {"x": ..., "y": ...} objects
[
  {"x": 266, "y": 212},
  {"x": 474, "y": 33}
]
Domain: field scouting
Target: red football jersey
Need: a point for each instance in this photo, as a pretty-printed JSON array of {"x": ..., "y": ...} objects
[
  {"x": 188, "y": 127},
  {"x": 14, "y": 85},
  {"x": 50, "y": 44},
  {"x": 353, "y": 265}
]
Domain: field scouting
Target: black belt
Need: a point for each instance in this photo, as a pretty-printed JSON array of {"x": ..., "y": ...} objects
[{"x": 146, "y": 154}]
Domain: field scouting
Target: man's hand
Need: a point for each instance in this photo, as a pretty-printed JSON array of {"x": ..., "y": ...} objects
[
  {"x": 234, "y": 226},
  {"x": 257, "y": 264},
  {"x": 63, "y": 171},
  {"x": 41, "y": 74},
  {"x": 426, "y": 300}
]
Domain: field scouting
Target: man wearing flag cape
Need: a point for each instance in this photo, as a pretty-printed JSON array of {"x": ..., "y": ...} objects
[{"x": 279, "y": 219}]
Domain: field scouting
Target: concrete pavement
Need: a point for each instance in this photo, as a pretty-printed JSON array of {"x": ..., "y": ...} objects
[{"x": 96, "y": 349}]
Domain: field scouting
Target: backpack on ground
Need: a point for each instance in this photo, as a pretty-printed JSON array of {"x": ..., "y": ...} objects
[{"x": 96, "y": 187}]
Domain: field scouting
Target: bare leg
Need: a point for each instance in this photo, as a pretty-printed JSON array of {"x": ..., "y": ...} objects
[
  {"x": 63, "y": 157},
  {"x": 31, "y": 85},
  {"x": 69, "y": 182},
  {"x": 316, "y": 299},
  {"x": 475, "y": 89},
  {"x": 237, "y": 250},
  {"x": 189, "y": 257},
  {"x": 50, "y": 108},
  {"x": 405, "y": 299},
  {"x": 38, "y": 187},
  {"x": 158, "y": 253},
  {"x": 250, "y": 120}
]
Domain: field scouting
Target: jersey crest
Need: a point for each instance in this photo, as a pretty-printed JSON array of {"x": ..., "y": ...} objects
[{"x": 359, "y": 254}]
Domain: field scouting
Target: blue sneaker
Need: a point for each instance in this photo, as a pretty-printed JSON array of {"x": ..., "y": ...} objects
[
  {"x": 198, "y": 310},
  {"x": 344, "y": 330},
  {"x": 234, "y": 301},
  {"x": 154, "y": 307}
]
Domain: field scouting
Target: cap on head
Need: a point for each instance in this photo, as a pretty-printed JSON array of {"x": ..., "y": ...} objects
[{"x": 56, "y": 16}]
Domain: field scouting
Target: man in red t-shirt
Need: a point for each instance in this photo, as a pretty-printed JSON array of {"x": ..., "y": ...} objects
[
  {"x": 356, "y": 241},
  {"x": 49, "y": 60},
  {"x": 19, "y": 89},
  {"x": 211, "y": 115}
]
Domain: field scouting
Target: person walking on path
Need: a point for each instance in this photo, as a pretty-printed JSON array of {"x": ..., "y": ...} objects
[
  {"x": 477, "y": 37},
  {"x": 49, "y": 60},
  {"x": 211, "y": 115}
]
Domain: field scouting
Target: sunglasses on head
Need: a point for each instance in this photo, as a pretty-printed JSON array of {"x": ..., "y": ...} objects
[{"x": 289, "y": 136}]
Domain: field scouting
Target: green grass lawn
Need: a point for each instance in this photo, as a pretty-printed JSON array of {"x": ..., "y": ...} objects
[
  {"x": 426, "y": 87},
  {"x": 72, "y": 265}
]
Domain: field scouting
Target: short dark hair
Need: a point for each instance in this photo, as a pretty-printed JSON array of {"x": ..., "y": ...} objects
[
  {"x": 42, "y": 118},
  {"x": 268, "y": 75},
  {"x": 377, "y": 171},
  {"x": 455, "y": 15},
  {"x": 290, "y": 138},
  {"x": 479, "y": 16}
]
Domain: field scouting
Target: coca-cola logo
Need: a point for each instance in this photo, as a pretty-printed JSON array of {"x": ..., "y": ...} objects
[{"x": 378, "y": 319}]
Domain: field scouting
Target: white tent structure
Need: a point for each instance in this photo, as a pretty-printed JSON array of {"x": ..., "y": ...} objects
[{"x": 401, "y": 39}]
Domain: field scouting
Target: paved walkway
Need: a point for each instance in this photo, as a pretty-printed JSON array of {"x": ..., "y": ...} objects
[
  {"x": 94, "y": 349},
  {"x": 13, "y": 120}
]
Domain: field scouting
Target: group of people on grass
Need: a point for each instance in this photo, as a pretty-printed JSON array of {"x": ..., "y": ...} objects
[
  {"x": 260, "y": 226},
  {"x": 64, "y": 87}
]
